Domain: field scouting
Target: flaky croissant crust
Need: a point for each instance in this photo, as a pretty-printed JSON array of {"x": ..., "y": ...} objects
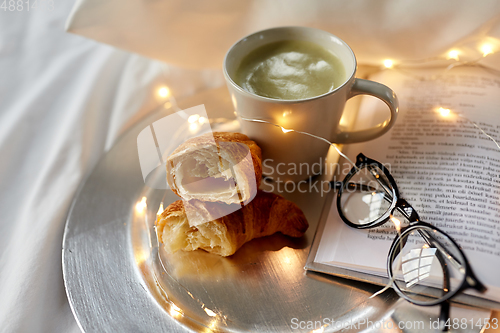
[{"x": 265, "y": 215}]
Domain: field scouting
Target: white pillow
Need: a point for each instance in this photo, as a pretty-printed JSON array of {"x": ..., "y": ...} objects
[{"x": 197, "y": 33}]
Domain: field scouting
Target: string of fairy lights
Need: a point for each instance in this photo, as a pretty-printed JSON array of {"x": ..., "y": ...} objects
[
  {"x": 455, "y": 56},
  {"x": 466, "y": 56}
]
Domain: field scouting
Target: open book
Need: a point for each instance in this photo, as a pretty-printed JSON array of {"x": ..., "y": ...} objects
[{"x": 445, "y": 167}]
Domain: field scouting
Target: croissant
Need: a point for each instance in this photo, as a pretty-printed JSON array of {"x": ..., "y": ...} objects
[
  {"x": 265, "y": 215},
  {"x": 219, "y": 166}
]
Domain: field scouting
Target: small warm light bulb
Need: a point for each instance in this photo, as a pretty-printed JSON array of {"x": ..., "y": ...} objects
[
  {"x": 444, "y": 112},
  {"x": 141, "y": 256},
  {"x": 210, "y": 312},
  {"x": 141, "y": 205},
  {"x": 344, "y": 120},
  {"x": 453, "y": 54},
  {"x": 213, "y": 325},
  {"x": 286, "y": 130},
  {"x": 160, "y": 209},
  {"x": 286, "y": 113},
  {"x": 235, "y": 102},
  {"x": 397, "y": 223},
  {"x": 486, "y": 49},
  {"x": 163, "y": 92},
  {"x": 388, "y": 63},
  {"x": 175, "y": 311},
  {"x": 193, "y": 118},
  {"x": 425, "y": 246},
  {"x": 193, "y": 127}
]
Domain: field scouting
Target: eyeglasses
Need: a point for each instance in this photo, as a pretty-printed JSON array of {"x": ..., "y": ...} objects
[{"x": 426, "y": 266}]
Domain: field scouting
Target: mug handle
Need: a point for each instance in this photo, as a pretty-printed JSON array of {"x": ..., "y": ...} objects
[{"x": 380, "y": 91}]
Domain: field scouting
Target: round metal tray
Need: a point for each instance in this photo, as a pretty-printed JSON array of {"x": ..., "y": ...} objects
[{"x": 119, "y": 280}]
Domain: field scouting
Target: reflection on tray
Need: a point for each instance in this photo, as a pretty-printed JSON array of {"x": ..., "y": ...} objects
[{"x": 203, "y": 265}]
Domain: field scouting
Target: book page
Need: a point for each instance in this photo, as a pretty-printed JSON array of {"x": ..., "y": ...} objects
[{"x": 445, "y": 167}]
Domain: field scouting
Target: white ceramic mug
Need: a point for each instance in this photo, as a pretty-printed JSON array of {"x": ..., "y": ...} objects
[{"x": 319, "y": 115}]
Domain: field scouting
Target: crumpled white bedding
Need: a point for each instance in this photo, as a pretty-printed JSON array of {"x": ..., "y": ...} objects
[{"x": 64, "y": 99}]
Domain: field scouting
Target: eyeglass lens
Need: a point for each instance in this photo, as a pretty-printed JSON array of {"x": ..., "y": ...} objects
[
  {"x": 366, "y": 196},
  {"x": 426, "y": 265}
]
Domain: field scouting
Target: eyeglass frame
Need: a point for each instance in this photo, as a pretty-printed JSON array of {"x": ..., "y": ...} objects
[{"x": 469, "y": 281}]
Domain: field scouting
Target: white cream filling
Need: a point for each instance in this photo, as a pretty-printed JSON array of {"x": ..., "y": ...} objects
[{"x": 203, "y": 175}]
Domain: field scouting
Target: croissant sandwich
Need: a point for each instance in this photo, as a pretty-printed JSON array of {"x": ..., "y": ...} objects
[
  {"x": 265, "y": 215},
  {"x": 217, "y": 166}
]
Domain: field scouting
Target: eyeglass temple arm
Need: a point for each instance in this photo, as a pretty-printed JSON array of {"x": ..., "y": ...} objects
[
  {"x": 444, "y": 315},
  {"x": 381, "y": 181},
  {"x": 336, "y": 185},
  {"x": 472, "y": 281},
  {"x": 409, "y": 212},
  {"x": 428, "y": 239}
]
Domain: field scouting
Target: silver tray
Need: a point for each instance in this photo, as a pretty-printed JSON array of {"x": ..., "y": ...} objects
[{"x": 118, "y": 280}]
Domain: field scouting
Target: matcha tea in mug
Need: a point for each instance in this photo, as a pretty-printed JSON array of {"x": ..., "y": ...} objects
[{"x": 289, "y": 70}]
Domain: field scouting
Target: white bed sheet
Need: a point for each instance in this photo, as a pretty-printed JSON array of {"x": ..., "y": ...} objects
[{"x": 64, "y": 99}]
